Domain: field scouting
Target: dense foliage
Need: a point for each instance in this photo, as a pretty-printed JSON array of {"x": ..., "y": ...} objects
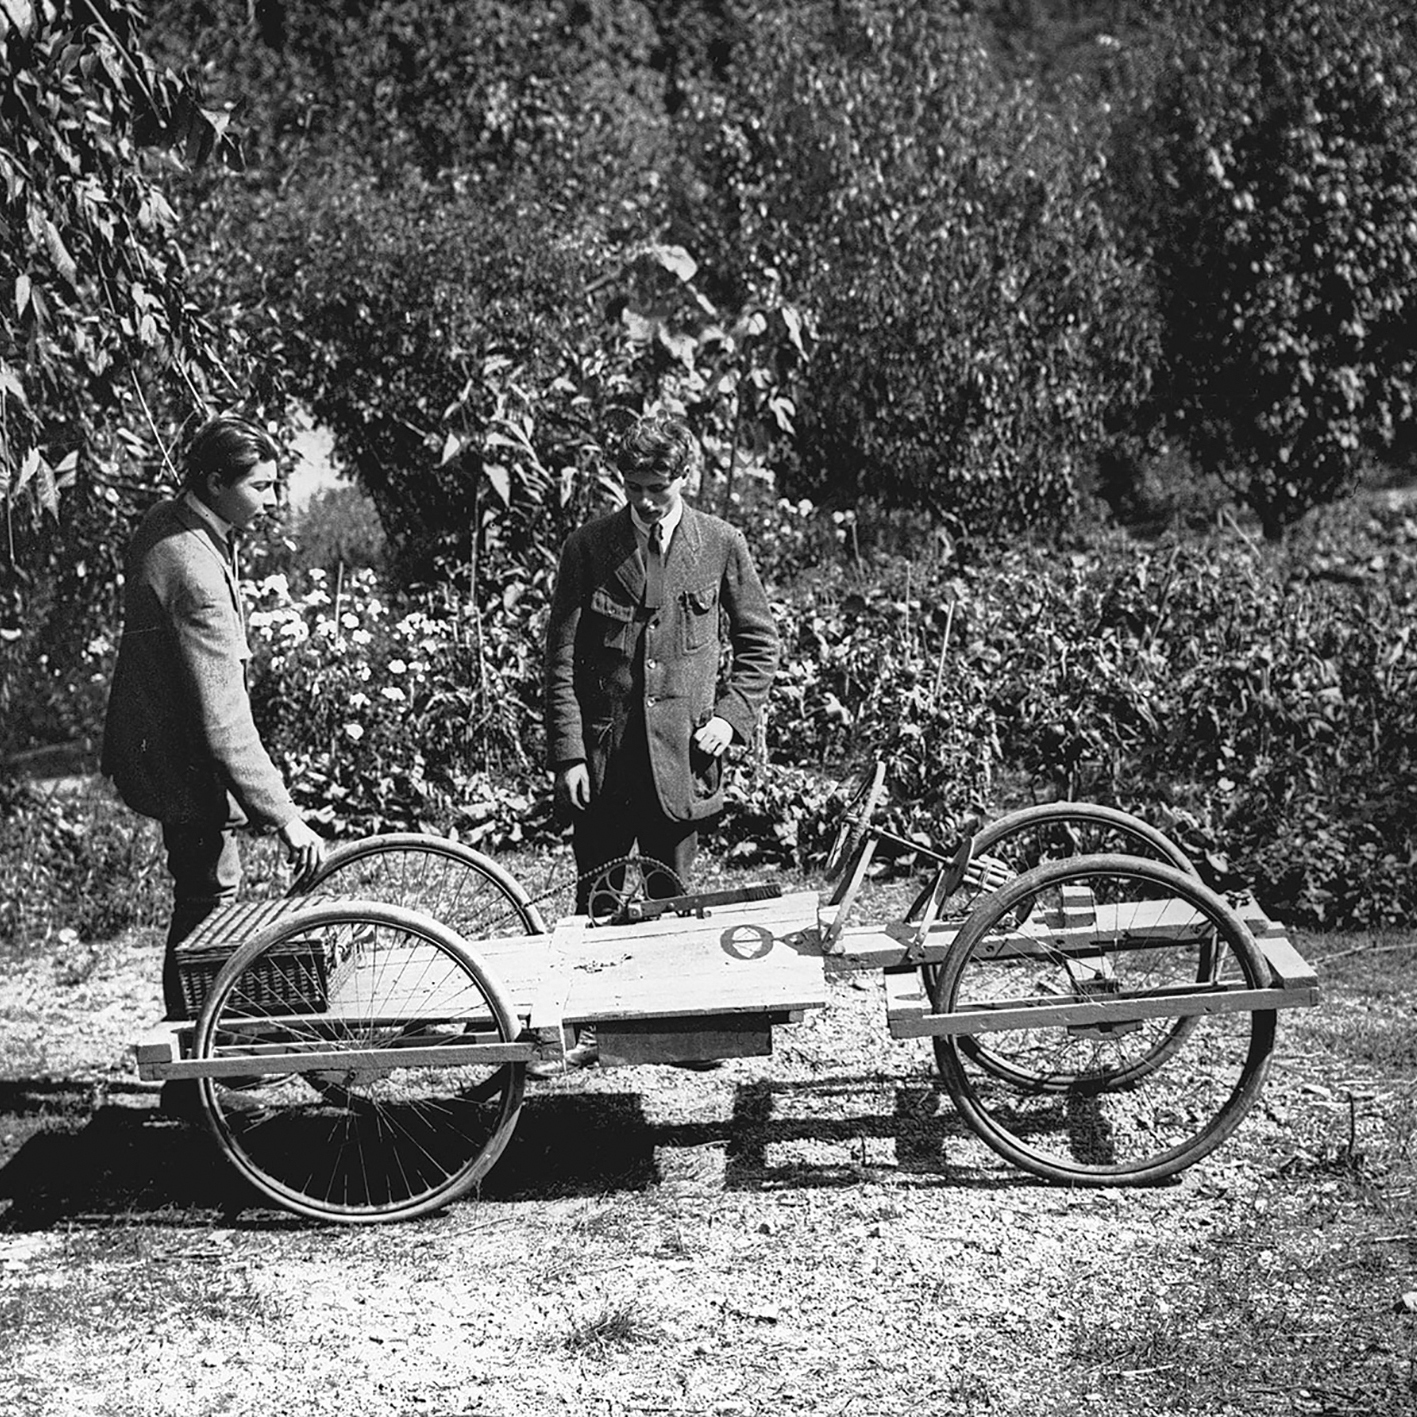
[
  {"x": 979, "y": 332},
  {"x": 871, "y": 260},
  {"x": 101, "y": 338},
  {"x": 1282, "y": 166},
  {"x": 1259, "y": 705}
]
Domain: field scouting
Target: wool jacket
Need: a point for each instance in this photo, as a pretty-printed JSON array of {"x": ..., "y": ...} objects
[
  {"x": 179, "y": 740},
  {"x": 607, "y": 657}
]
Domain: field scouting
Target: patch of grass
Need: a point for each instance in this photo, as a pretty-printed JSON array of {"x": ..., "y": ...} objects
[
  {"x": 614, "y": 1323},
  {"x": 111, "y": 1282}
]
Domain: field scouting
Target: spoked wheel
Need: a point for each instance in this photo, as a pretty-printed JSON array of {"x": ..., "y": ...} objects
[
  {"x": 1032, "y": 836},
  {"x": 629, "y": 879},
  {"x": 348, "y": 1099},
  {"x": 459, "y": 887},
  {"x": 1132, "y": 1091},
  {"x": 1057, "y": 831}
]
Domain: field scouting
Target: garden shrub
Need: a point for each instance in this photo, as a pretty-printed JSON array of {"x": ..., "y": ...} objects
[
  {"x": 979, "y": 333},
  {"x": 1275, "y": 180}
]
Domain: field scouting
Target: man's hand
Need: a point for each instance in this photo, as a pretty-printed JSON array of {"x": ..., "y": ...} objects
[
  {"x": 714, "y": 737},
  {"x": 573, "y": 787},
  {"x": 304, "y": 848}
]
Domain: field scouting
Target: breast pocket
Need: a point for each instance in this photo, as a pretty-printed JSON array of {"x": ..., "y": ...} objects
[
  {"x": 611, "y": 619},
  {"x": 700, "y": 617}
]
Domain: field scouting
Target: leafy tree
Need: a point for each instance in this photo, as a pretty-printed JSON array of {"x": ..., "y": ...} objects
[
  {"x": 977, "y": 327},
  {"x": 100, "y": 340},
  {"x": 1280, "y": 217}
]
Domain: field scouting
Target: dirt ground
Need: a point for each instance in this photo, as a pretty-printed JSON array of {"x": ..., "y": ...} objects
[{"x": 810, "y": 1232}]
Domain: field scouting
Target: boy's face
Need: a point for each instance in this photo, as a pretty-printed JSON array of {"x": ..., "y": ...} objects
[
  {"x": 652, "y": 495},
  {"x": 242, "y": 501}
]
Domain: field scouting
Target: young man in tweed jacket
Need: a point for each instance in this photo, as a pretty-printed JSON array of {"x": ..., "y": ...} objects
[
  {"x": 638, "y": 712},
  {"x": 179, "y": 740}
]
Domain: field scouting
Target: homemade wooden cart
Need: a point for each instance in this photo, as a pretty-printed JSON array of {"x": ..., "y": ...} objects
[{"x": 1098, "y": 1015}]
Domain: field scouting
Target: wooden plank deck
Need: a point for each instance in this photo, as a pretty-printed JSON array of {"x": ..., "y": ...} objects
[{"x": 757, "y": 957}]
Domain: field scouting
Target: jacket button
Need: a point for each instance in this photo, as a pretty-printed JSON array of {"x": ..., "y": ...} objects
[
  {"x": 651, "y": 664},
  {"x": 649, "y": 700}
]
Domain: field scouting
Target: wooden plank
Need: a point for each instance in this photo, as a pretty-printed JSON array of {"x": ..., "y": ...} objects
[
  {"x": 1137, "y": 925},
  {"x": 637, "y": 1041},
  {"x": 279, "y": 1062},
  {"x": 1078, "y": 909},
  {"x": 159, "y": 1045},
  {"x": 544, "y": 1018},
  {"x": 1288, "y": 967},
  {"x": 906, "y": 998},
  {"x": 908, "y": 1009},
  {"x": 761, "y": 957}
]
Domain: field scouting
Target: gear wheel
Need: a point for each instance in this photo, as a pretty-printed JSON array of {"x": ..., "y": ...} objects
[{"x": 626, "y": 879}]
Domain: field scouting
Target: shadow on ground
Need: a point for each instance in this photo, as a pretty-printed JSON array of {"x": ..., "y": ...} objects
[{"x": 73, "y": 1151}]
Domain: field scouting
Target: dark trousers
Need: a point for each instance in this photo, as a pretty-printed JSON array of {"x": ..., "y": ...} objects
[
  {"x": 624, "y": 818},
  {"x": 204, "y": 861}
]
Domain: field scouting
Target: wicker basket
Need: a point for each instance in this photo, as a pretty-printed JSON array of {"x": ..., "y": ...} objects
[{"x": 292, "y": 977}]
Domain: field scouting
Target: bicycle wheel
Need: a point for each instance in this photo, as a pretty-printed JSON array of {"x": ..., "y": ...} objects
[
  {"x": 855, "y": 820},
  {"x": 360, "y": 1134},
  {"x": 1056, "y": 831},
  {"x": 1031, "y": 836},
  {"x": 463, "y": 889},
  {"x": 1086, "y": 1099}
]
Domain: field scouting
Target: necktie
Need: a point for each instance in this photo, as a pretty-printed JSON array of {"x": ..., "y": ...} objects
[{"x": 654, "y": 568}]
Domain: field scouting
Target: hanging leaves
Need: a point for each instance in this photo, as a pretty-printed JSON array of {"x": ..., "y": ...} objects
[{"x": 88, "y": 245}]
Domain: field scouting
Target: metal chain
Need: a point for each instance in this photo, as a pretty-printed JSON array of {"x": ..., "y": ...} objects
[{"x": 594, "y": 875}]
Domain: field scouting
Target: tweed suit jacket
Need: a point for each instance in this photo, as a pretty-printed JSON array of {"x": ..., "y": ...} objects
[
  {"x": 596, "y": 675},
  {"x": 179, "y": 740}
]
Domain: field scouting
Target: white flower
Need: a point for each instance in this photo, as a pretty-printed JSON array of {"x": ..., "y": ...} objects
[
  {"x": 393, "y": 693},
  {"x": 349, "y": 620},
  {"x": 354, "y": 731},
  {"x": 397, "y": 666}
]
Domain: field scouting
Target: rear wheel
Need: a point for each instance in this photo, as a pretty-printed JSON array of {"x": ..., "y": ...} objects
[
  {"x": 363, "y": 1136},
  {"x": 459, "y": 887},
  {"x": 1126, "y": 1093}
]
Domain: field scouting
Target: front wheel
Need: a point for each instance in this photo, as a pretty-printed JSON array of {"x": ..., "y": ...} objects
[
  {"x": 397, "y": 1110},
  {"x": 1138, "y": 1088}
]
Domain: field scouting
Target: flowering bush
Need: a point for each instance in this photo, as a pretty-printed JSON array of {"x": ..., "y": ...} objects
[{"x": 390, "y": 715}]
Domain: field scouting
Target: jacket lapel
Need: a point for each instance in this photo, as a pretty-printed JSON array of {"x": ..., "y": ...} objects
[
  {"x": 625, "y": 557},
  {"x": 684, "y": 554}
]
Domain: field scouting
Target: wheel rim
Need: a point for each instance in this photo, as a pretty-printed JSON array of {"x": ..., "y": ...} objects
[
  {"x": 1113, "y": 1103},
  {"x": 459, "y": 887},
  {"x": 1058, "y": 831},
  {"x": 1034, "y": 836},
  {"x": 367, "y": 1139},
  {"x": 855, "y": 821}
]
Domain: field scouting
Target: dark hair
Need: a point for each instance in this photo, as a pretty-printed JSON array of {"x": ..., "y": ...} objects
[
  {"x": 659, "y": 443},
  {"x": 229, "y": 446}
]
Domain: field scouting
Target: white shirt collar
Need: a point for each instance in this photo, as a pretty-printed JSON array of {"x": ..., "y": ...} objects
[
  {"x": 669, "y": 522},
  {"x": 220, "y": 525}
]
